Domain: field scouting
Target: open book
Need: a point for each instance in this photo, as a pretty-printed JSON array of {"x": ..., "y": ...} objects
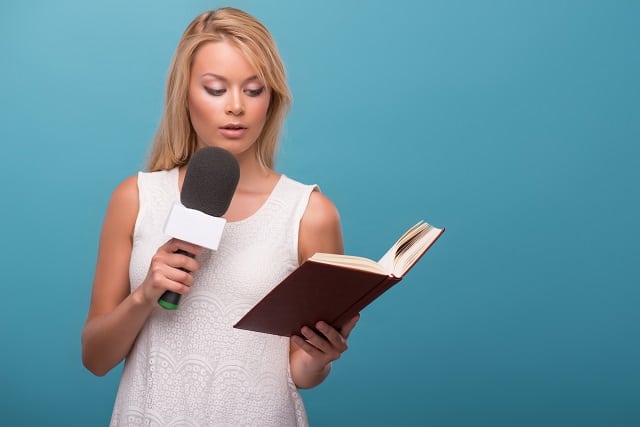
[{"x": 333, "y": 287}]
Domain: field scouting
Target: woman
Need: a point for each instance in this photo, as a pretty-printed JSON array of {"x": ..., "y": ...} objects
[{"x": 226, "y": 88}]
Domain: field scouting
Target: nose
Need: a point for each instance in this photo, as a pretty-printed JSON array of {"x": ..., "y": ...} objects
[{"x": 234, "y": 103}]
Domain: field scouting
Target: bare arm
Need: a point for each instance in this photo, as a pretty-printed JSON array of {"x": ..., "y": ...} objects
[
  {"x": 116, "y": 315},
  {"x": 310, "y": 358}
]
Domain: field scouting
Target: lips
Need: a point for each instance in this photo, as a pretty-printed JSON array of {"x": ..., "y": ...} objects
[
  {"x": 233, "y": 130},
  {"x": 233, "y": 126}
]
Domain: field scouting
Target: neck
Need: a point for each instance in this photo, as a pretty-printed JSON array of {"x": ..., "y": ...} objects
[{"x": 254, "y": 176}]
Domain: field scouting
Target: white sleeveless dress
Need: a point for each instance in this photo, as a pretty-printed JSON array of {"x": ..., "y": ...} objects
[{"x": 190, "y": 367}]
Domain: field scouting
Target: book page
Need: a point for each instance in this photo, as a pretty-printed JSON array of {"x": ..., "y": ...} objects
[
  {"x": 349, "y": 261},
  {"x": 404, "y": 253},
  {"x": 388, "y": 260},
  {"x": 416, "y": 244}
]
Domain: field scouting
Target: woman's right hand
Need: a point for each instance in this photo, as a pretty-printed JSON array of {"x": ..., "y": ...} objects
[{"x": 170, "y": 271}]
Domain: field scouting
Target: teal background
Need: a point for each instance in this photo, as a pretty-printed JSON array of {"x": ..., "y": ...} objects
[{"x": 514, "y": 124}]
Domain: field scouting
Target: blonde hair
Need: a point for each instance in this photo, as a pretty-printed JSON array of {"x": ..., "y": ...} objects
[{"x": 176, "y": 140}]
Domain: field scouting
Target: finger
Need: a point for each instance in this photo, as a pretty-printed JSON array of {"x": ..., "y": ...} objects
[
  {"x": 306, "y": 347},
  {"x": 175, "y": 286},
  {"x": 345, "y": 331},
  {"x": 317, "y": 340},
  {"x": 182, "y": 261},
  {"x": 175, "y": 244},
  {"x": 165, "y": 278},
  {"x": 179, "y": 275},
  {"x": 336, "y": 340}
]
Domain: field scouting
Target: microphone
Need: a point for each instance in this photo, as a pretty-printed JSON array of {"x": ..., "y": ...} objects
[{"x": 209, "y": 183}]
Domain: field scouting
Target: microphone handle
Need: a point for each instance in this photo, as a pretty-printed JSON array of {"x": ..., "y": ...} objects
[{"x": 170, "y": 300}]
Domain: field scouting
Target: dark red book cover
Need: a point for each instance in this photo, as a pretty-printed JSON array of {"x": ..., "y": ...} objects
[{"x": 313, "y": 292}]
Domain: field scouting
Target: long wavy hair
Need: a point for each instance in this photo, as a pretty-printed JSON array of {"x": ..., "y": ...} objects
[{"x": 176, "y": 140}]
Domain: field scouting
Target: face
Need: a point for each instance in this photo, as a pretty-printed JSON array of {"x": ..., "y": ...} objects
[{"x": 227, "y": 102}]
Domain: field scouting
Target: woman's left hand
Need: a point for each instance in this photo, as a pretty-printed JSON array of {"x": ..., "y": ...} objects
[{"x": 316, "y": 351}]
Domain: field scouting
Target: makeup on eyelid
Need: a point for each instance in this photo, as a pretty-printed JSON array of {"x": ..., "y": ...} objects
[{"x": 249, "y": 92}]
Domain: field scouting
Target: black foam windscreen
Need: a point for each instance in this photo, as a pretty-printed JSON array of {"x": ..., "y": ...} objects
[{"x": 210, "y": 181}]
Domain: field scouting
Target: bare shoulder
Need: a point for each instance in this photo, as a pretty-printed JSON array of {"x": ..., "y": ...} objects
[
  {"x": 123, "y": 206},
  {"x": 320, "y": 212},
  {"x": 127, "y": 191},
  {"x": 320, "y": 228},
  {"x": 125, "y": 195}
]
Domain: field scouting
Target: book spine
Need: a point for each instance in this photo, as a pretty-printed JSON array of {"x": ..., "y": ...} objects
[{"x": 366, "y": 299}]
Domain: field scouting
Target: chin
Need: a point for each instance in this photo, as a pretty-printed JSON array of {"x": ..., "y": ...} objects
[{"x": 235, "y": 148}]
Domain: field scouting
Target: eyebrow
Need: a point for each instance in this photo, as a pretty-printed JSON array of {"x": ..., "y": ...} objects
[{"x": 219, "y": 77}]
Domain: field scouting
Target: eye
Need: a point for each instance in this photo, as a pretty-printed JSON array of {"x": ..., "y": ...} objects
[
  {"x": 215, "y": 92},
  {"x": 254, "y": 92}
]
